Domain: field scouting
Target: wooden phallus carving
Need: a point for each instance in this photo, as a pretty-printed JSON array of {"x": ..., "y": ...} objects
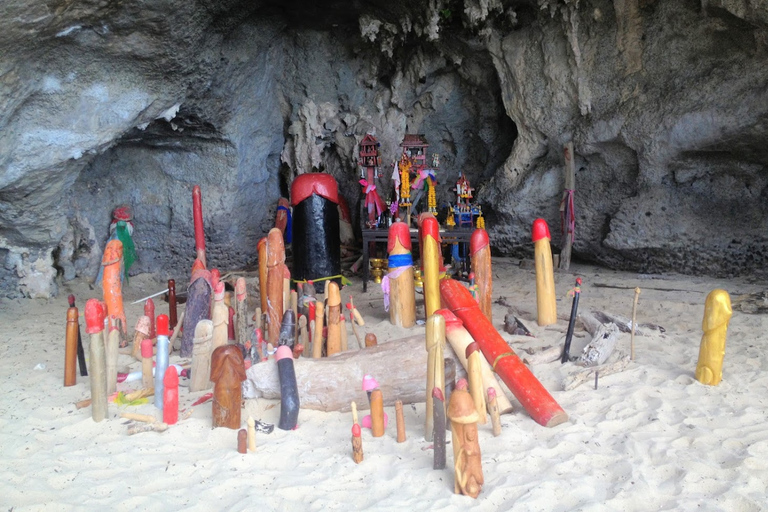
[{"x": 227, "y": 374}]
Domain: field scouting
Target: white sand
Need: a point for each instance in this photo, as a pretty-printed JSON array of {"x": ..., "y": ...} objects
[{"x": 648, "y": 438}]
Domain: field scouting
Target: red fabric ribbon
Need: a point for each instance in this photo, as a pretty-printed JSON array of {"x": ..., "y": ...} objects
[
  {"x": 567, "y": 215},
  {"x": 372, "y": 197}
]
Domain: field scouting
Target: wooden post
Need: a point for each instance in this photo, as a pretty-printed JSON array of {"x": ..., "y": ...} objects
[
  {"x": 634, "y": 322},
  {"x": 435, "y": 339},
  {"x": 220, "y": 317},
  {"x": 468, "y": 470},
  {"x": 317, "y": 336},
  {"x": 94, "y": 325},
  {"x": 430, "y": 257},
  {"x": 261, "y": 247},
  {"x": 70, "y": 348},
  {"x": 172, "y": 311},
  {"x": 357, "y": 444},
  {"x": 480, "y": 262},
  {"x": 80, "y": 350},
  {"x": 566, "y": 206},
  {"x": 717, "y": 314},
  {"x": 400, "y": 421},
  {"x": 113, "y": 344},
  {"x": 353, "y": 406},
  {"x": 275, "y": 276},
  {"x": 527, "y": 389},
  {"x": 200, "y": 378},
  {"x": 197, "y": 215},
  {"x": 334, "y": 319},
  {"x": 251, "y": 434},
  {"x": 402, "y": 294},
  {"x": 546, "y": 306},
  {"x": 146, "y": 364},
  {"x": 241, "y": 311},
  {"x": 459, "y": 338},
  {"x": 476, "y": 388},
  {"x": 377, "y": 413},
  {"x": 438, "y": 408}
]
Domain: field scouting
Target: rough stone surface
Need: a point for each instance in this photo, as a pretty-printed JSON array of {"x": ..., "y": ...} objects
[{"x": 126, "y": 102}]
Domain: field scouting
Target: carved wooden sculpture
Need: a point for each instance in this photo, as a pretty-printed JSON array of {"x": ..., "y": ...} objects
[
  {"x": 112, "y": 348},
  {"x": 480, "y": 262},
  {"x": 198, "y": 308},
  {"x": 241, "y": 311},
  {"x": 275, "y": 275},
  {"x": 80, "y": 350},
  {"x": 70, "y": 348},
  {"x": 399, "y": 278},
  {"x": 371, "y": 340},
  {"x": 518, "y": 378},
  {"x": 172, "y": 311},
  {"x": 475, "y": 378},
  {"x": 242, "y": 441},
  {"x": 261, "y": 247},
  {"x": 303, "y": 335},
  {"x": 435, "y": 369},
  {"x": 459, "y": 339},
  {"x": 146, "y": 364},
  {"x": 438, "y": 408},
  {"x": 333, "y": 345},
  {"x": 546, "y": 307},
  {"x": 289, "y": 392},
  {"x": 149, "y": 312},
  {"x": 197, "y": 215},
  {"x": 140, "y": 333},
  {"x": 112, "y": 284},
  {"x": 430, "y": 259},
  {"x": 357, "y": 444},
  {"x": 220, "y": 318},
  {"x": 227, "y": 374},
  {"x": 377, "y": 413},
  {"x": 199, "y": 379},
  {"x": 170, "y": 396},
  {"x": 316, "y": 238},
  {"x": 161, "y": 363},
  {"x": 94, "y": 325},
  {"x": 400, "y": 421},
  {"x": 717, "y": 314},
  {"x": 468, "y": 477}
]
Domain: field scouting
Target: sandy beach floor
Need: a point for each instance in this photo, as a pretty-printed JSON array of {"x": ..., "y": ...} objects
[{"x": 648, "y": 438}]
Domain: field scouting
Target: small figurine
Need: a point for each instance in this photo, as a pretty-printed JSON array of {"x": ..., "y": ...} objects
[
  {"x": 546, "y": 307},
  {"x": 242, "y": 441},
  {"x": 717, "y": 314},
  {"x": 220, "y": 318},
  {"x": 371, "y": 340},
  {"x": 468, "y": 477},
  {"x": 400, "y": 420},
  {"x": 201, "y": 356},
  {"x": 227, "y": 374},
  {"x": 140, "y": 333},
  {"x": 377, "y": 413},
  {"x": 149, "y": 312},
  {"x": 493, "y": 408}
]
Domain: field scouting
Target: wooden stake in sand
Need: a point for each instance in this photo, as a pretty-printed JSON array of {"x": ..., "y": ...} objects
[
  {"x": 400, "y": 421},
  {"x": 172, "y": 303},
  {"x": 334, "y": 319},
  {"x": 480, "y": 261},
  {"x": 546, "y": 306},
  {"x": 371, "y": 340},
  {"x": 493, "y": 408},
  {"x": 317, "y": 336},
  {"x": 402, "y": 294},
  {"x": 251, "y": 434},
  {"x": 572, "y": 322},
  {"x": 435, "y": 339},
  {"x": 70, "y": 348},
  {"x": 197, "y": 217},
  {"x": 438, "y": 411},
  {"x": 94, "y": 325},
  {"x": 717, "y": 314},
  {"x": 377, "y": 413},
  {"x": 242, "y": 441},
  {"x": 634, "y": 323},
  {"x": 357, "y": 444},
  {"x": 566, "y": 207},
  {"x": 468, "y": 476},
  {"x": 80, "y": 351}
]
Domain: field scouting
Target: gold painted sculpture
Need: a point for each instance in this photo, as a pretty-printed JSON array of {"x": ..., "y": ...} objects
[{"x": 717, "y": 314}]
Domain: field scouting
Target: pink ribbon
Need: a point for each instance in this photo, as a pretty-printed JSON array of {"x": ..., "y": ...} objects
[
  {"x": 423, "y": 174},
  {"x": 568, "y": 215},
  {"x": 385, "y": 283}
]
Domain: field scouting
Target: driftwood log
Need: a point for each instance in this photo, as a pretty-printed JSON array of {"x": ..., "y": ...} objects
[
  {"x": 600, "y": 348},
  {"x": 330, "y": 384}
]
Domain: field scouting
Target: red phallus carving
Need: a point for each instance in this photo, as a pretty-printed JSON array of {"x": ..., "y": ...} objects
[
  {"x": 399, "y": 231},
  {"x": 540, "y": 230},
  {"x": 197, "y": 212},
  {"x": 478, "y": 240},
  {"x": 162, "y": 325},
  {"x": 94, "y": 316},
  {"x": 149, "y": 311}
]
